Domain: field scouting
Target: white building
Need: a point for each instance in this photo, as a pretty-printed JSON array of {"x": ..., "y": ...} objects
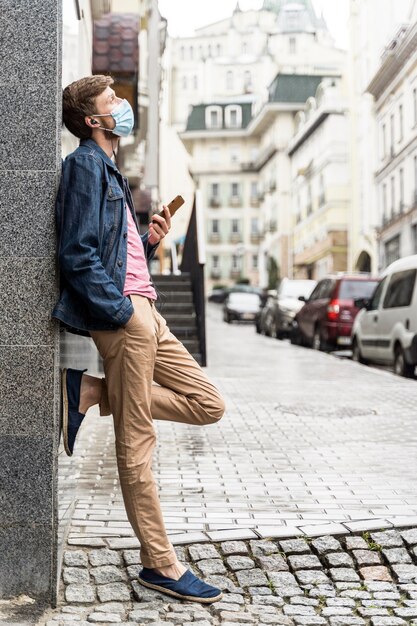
[
  {"x": 394, "y": 88},
  {"x": 372, "y": 25},
  {"x": 242, "y": 59},
  {"x": 320, "y": 183}
]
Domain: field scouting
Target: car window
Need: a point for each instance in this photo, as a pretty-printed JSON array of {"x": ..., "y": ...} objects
[
  {"x": 296, "y": 288},
  {"x": 400, "y": 289},
  {"x": 316, "y": 292},
  {"x": 327, "y": 288},
  {"x": 351, "y": 289},
  {"x": 376, "y": 297}
]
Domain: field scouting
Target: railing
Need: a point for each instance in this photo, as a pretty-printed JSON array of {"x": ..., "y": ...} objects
[
  {"x": 235, "y": 238},
  {"x": 193, "y": 260},
  {"x": 214, "y": 202},
  {"x": 214, "y": 237},
  {"x": 254, "y": 201},
  {"x": 215, "y": 273},
  {"x": 235, "y": 201},
  {"x": 255, "y": 237}
]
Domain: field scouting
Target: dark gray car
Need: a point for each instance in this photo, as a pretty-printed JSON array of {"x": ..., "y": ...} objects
[{"x": 276, "y": 317}]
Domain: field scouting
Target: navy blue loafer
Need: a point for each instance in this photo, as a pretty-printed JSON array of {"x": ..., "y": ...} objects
[
  {"x": 70, "y": 401},
  {"x": 187, "y": 587}
]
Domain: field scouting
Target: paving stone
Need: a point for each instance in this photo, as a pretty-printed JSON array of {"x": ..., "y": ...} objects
[
  {"x": 367, "y": 557},
  {"x": 309, "y": 620},
  {"x": 397, "y": 555},
  {"x": 88, "y": 542},
  {"x": 298, "y": 609},
  {"x": 104, "y": 557},
  {"x": 357, "y": 594},
  {"x": 111, "y": 607},
  {"x": 143, "y": 594},
  {"x": 199, "y": 551},
  {"x": 113, "y": 591},
  {"x": 388, "y": 621},
  {"x": 223, "y": 583},
  {"x": 131, "y": 557},
  {"x": 324, "y": 545},
  {"x": 343, "y": 574},
  {"x": 338, "y": 611},
  {"x": 376, "y": 572},
  {"x": 274, "y": 619},
  {"x": 75, "y": 558},
  {"x": 227, "y": 606},
  {"x": 80, "y": 593},
  {"x": 233, "y": 597},
  {"x": 387, "y": 595},
  {"x": 132, "y": 571},
  {"x": 304, "y": 600},
  {"x": 311, "y": 577},
  {"x": 339, "y": 559},
  {"x": 294, "y": 546},
  {"x": 354, "y": 542},
  {"x": 76, "y": 575},
  {"x": 406, "y": 612},
  {"x": 409, "y": 536},
  {"x": 269, "y": 601},
  {"x": 259, "y": 591},
  {"x": 405, "y": 572},
  {"x": 322, "y": 591},
  {"x": 179, "y": 618},
  {"x": 371, "y": 612},
  {"x": 111, "y": 618},
  {"x": 144, "y": 616},
  {"x": 239, "y": 562},
  {"x": 263, "y": 547},
  {"x": 211, "y": 566},
  {"x": 241, "y": 617},
  {"x": 380, "y": 586},
  {"x": 107, "y": 574},
  {"x": 275, "y": 563},
  {"x": 340, "y": 602},
  {"x": 304, "y": 561},
  {"x": 341, "y": 586},
  {"x": 380, "y": 603},
  {"x": 251, "y": 577},
  {"x": 346, "y": 620},
  {"x": 122, "y": 543},
  {"x": 234, "y": 547},
  {"x": 388, "y": 539}
]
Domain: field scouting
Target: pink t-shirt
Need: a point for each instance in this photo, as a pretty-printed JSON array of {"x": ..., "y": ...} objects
[{"x": 137, "y": 279}]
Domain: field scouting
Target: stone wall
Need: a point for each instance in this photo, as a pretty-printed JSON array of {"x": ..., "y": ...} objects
[{"x": 30, "y": 107}]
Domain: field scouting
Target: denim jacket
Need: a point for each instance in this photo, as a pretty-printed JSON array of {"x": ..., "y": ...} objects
[{"x": 92, "y": 242}]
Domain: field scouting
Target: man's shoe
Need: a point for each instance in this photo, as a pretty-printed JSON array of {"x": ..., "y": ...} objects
[
  {"x": 70, "y": 402},
  {"x": 187, "y": 587}
]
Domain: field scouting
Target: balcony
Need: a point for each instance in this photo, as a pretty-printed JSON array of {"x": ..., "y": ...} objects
[
  {"x": 272, "y": 186},
  {"x": 214, "y": 238},
  {"x": 255, "y": 201},
  {"x": 322, "y": 200},
  {"x": 235, "y": 273},
  {"x": 273, "y": 226},
  {"x": 309, "y": 208},
  {"x": 401, "y": 207},
  {"x": 235, "y": 238},
  {"x": 214, "y": 202},
  {"x": 235, "y": 201},
  {"x": 215, "y": 273},
  {"x": 255, "y": 237}
]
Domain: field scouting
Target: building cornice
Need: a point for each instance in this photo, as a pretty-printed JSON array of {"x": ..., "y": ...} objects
[
  {"x": 393, "y": 63},
  {"x": 312, "y": 124}
]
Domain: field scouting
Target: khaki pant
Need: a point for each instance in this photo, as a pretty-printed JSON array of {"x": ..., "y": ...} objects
[{"x": 134, "y": 356}]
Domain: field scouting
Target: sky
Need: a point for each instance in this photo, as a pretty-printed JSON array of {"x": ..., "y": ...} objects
[{"x": 185, "y": 15}]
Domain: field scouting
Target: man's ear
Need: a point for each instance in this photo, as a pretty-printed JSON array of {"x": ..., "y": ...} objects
[{"x": 91, "y": 122}]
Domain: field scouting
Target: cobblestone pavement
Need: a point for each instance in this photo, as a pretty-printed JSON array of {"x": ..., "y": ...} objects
[{"x": 310, "y": 446}]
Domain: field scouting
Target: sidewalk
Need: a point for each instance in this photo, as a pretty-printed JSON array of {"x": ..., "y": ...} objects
[{"x": 309, "y": 446}]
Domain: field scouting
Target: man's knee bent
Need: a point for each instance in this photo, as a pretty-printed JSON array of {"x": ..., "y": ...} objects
[{"x": 215, "y": 408}]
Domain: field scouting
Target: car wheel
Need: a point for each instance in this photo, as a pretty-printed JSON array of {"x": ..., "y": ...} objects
[
  {"x": 401, "y": 367},
  {"x": 296, "y": 338},
  {"x": 356, "y": 352},
  {"x": 258, "y": 328},
  {"x": 317, "y": 340}
]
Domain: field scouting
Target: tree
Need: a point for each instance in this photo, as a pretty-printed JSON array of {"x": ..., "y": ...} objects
[{"x": 273, "y": 273}]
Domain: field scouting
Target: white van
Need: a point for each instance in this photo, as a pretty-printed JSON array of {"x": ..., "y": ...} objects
[{"x": 385, "y": 330}]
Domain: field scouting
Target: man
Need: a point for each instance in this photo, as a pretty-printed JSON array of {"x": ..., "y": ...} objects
[{"x": 107, "y": 293}]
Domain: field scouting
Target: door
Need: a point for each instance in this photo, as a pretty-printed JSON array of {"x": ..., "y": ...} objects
[
  {"x": 395, "y": 313},
  {"x": 368, "y": 332}
]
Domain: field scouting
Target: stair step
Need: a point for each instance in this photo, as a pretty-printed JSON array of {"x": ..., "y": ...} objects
[
  {"x": 174, "y": 297},
  {"x": 171, "y": 278},
  {"x": 178, "y": 320},
  {"x": 192, "y": 345},
  {"x": 165, "y": 287},
  {"x": 184, "y": 332},
  {"x": 173, "y": 310}
]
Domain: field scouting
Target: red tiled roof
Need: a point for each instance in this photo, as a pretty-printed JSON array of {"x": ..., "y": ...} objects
[{"x": 115, "y": 44}]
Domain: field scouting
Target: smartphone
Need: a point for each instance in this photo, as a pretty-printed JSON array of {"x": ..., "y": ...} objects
[{"x": 173, "y": 206}]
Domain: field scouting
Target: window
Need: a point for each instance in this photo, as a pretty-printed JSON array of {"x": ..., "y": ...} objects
[
  {"x": 254, "y": 226},
  {"x": 392, "y": 134},
  {"x": 384, "y": 202},
  {"x": 400, "y": 289},
  {"x": 234, "y": 154},
  {"x": 384, "y": 141},
  {"x": 215, "y": 227},
  {"x": 309, "y": 201},
  {"x": 293, "y": 45},
  {"x": 195, "y": 81},
  {"x": 415, "y": 105},
  {"x": 415, "y": 179},
  {"x": 235, "y": 190},
  {"x": 392, "y": 195},
  {"x": 235, "y": 263},
  {"x": 235, "y": 226},
  {"x": 254, "y": 189},
  {"x": 191, "y": 51},
  {"x": 414, "y": 238},
  {"x": 321, "y": 190},
  {"x": 247, "y": 81},
  {"x": 184, "y": 82},
  {"x": 374, "y": 304},
  {"x": 392, "y": 250},
  {"x": 401, "y": 189},
  {"x": 214, "y": 155},
  {"x": 214, "y": 190},
  {"x": 215, "y": 262},
  {"x": 400, "y": 122},
  {"x": 209, "y": 50},
  {"x": 182, "y": 53},
  {"x": 229, "y": 80},
  {"x": 244, "y": 48},
  {"x": 218, "y": 49},
  {"x": 254, "y": 261},
  {"x": 233, "y": 116},
  {"x": 214, "y": 117}
]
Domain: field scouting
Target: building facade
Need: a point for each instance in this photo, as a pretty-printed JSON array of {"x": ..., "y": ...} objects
[
  {"x": 394, "y": 88},
  {"x": 320, "y": 183}
]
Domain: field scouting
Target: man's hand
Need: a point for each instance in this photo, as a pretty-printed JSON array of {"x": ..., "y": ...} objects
[{"x": 159, "y": 226}]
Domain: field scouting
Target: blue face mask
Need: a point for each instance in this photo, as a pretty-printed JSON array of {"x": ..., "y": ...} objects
[{"x": 124, "y": 118}]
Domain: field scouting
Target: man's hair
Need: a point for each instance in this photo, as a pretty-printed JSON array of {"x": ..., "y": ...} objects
[{"x": 78, "y": 100}]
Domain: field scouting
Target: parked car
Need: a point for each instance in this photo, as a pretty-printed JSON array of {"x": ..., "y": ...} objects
[
  {"x": 276, "y": 318},
  {"x": 241, "y": 306},
  {"x": 219, "y": 294},
  {"x": 385, "y": 330},
  {"x": 325, "y": 321}
]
